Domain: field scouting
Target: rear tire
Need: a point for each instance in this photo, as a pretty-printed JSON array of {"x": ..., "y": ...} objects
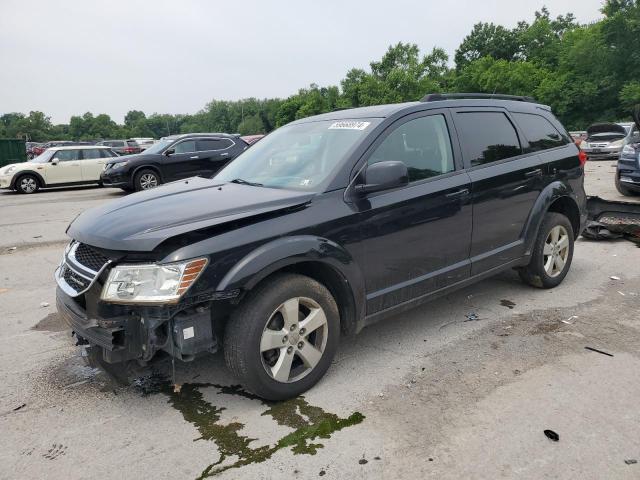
[
  {"x": 552, "y": 253},
  {"x": 275, "y": 314},
  {"x": 146, "y": 179},
  {"x": 622, "y": 189},
  {"x": 27, "y": 184}
]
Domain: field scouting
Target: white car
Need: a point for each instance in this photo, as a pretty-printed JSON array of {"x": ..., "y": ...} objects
[{"x": 56, "y": 167}]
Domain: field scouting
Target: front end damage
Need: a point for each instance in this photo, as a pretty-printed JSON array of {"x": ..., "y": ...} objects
[{"x": 126, "y": 332}]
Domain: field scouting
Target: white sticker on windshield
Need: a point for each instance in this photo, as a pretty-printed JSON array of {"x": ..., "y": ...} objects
[{"x": 349, "y": 125}]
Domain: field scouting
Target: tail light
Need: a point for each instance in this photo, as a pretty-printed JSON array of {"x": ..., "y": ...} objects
[{"x": 582, "y": 157}]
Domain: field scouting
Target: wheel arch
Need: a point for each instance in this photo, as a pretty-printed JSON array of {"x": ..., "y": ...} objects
[
  {"x": 318, "y": 258},
  {"x": 556, "y": 197},
  {"x": 22, "y": 173},
  {"x": 137, "y": 169}
]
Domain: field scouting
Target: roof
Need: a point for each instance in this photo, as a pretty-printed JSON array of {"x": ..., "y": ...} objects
[
  {"x": 80, "y": 147},
  {"x": 384, "y": 111},
  {"x": 185, "y": 135}
]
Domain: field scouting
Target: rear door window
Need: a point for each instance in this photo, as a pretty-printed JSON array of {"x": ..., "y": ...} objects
[
  {"x": 487, "y": 137},
  {"x": 90, "y": 154},
  {"x": 207, "y": 144},
  {"x": 540, "y": 133}
]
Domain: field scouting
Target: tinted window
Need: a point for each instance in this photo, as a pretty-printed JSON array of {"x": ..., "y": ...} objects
[
  {"x": 539, "y": 131},
  {"x": 91, "y": 153},
  {"x": 104, "y": 153},
  {"x": 186, "y": 146},
  {"x": 132, "y": 143},
  {"x": 67, "y": 155},
  {"x": 214, "y": 144},
  {"x": 423, "y": 145},
  {"x": 487, "y": 137}
]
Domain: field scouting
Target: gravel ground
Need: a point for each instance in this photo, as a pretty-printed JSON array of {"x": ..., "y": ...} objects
[{"x": 426, "y": 394}]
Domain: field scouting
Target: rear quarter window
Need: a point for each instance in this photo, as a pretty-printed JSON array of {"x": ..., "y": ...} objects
[
  {"x": 540, "y": 133},
  {"x": 487, "y": 137}
]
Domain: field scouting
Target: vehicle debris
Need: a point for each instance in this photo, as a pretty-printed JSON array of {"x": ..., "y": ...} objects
[
  {"x": 631, "y": 461},
  {"x": 613, "y": 277},
  {"x": 472, "y": 317},
  {"x": 610, "y": 220},
  {"x": 551, "y": 435},
  {"x": 599, "y": 351}
]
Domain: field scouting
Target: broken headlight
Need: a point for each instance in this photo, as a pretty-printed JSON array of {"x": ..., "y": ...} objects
[{"x": 151, "y": 283}]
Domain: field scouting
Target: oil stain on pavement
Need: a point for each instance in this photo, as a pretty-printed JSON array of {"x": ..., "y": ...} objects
[{"x": 308, "y": 422}]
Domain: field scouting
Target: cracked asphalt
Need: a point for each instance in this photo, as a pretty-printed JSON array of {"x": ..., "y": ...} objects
[{"x": 426, "y": 394}]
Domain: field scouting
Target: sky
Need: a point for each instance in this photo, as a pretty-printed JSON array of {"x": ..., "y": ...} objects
[{"x": 67, "y": 57}]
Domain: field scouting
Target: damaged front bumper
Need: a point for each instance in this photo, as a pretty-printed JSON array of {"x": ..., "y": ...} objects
[{"x": 137, "y": 332}]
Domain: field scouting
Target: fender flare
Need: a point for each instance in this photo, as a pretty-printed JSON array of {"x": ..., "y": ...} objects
[
  {"x": 549, "y": 194},
  {"x": 288, "y": 251},
  {"x": 26, "y": 172}
]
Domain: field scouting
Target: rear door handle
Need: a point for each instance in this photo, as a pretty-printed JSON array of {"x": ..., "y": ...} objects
[
  {"x": 224, "y": 154},
  {"x": 195, "y": 157},
  {"x": 534, "y": 173},
  {"x": 458, "y": 193}
]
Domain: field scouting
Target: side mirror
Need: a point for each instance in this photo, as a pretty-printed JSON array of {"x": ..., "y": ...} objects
[
  {"x": 169, "y": 152},
  {"x": 55, "y": 161},
  {"x": 383, "y": 176}
]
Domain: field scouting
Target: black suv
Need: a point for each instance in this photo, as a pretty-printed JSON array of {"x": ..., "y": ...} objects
[
  {"x": 628, "y": 171},
  {"x": 173, "y": 158},
  {"x": 326, "y": 225}
]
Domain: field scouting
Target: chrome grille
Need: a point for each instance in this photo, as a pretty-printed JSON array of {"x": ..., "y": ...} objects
[
  {"x": 88, "y": 257},
  {"x": 74, "y": 280},
  {"x": 80, "y": 267}
]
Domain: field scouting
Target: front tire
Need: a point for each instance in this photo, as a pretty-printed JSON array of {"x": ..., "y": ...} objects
[
  {"x": 27, "y": 184},
  {"x": 281, "y": 339},
  {"x": 552, "y": 253},
  {"x": 146, "y": 179}
]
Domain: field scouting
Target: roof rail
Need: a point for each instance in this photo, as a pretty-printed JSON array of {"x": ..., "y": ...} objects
[{"x": 434, "y": 97}]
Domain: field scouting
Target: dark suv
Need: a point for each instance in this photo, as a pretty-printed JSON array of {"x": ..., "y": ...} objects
[
  {"x": 326, "y": 225},
  {"x": 628, "y": 169},
  {"x": 173, "y": 158}
]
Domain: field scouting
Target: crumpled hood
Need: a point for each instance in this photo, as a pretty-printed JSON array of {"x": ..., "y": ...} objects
[{"x": 143, "y": 220}]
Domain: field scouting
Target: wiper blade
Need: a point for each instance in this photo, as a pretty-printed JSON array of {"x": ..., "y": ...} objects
[{"x": 240, "y": 181}]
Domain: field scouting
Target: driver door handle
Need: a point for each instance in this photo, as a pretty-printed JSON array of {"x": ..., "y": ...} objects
[
  {"x": 224, "y": 154},
  {"x": 195, "y": 157},
  {"x": 458, "y": 193}
]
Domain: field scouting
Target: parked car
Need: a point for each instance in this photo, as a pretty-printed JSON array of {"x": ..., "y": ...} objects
[
  {"x": 143, "y": 142},
  {"x": 605, "y": 140},
  {"x": 578, "y": 136},
  {"x": 122, "y": 147},
  {"x": 31, "y": 146},
  {"x": 173, "y": 158},
  {"x": 57, "y": 167},
  {"x": 327, "y": 225},
  {"x": 628, "y": 170}
]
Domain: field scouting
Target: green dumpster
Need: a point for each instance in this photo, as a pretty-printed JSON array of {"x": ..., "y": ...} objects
[{"x": 12, "y": 151}]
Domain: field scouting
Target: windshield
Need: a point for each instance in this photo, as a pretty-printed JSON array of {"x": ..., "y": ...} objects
[
  {"x": 158, "y": 147},
  {"x": 299, "y": 157},
  {"x": 44, "y": 157}
]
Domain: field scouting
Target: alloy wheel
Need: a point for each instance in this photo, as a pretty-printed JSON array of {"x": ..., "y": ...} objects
[
  {"x": 148, "y": 180},
  {"x": 556, "y": 251},
  {"x": 28, "y": 185},
  {"x": 294, "y": 339}
]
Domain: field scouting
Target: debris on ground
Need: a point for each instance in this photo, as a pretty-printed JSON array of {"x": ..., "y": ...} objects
[
  {"x": 598, "y": 351},
  {"x": 177, "y": 387},
  {"x": 507, "y": 303},
  {"x": 568, "y": 320},
  {"x": 322, "y": 473},
  {"x": 631, "y": 461},
  {"x": 363, "y": 461},
  {"x": 551, "y": 435},
  {"x": 472, "y": 317},
  {"x": 44, "y": 304},
  {"x": 610, "y": 220},
  {"x": 11, "y": 249},
  {"x": 613, "y": 277},
  {"x": 19, "y": 407}
]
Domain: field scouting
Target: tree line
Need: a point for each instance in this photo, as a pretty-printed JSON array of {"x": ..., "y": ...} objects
[{"x": 586, "y": 73}]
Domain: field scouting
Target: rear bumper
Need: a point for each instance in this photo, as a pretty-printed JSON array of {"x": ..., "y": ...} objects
[
  {"x": 603, "y": 155},
  {"x": 629, "y": 173}
]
